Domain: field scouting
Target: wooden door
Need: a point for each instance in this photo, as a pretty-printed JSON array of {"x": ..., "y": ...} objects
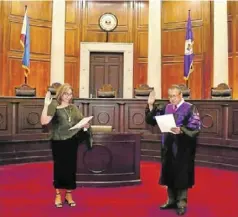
[{"x": 106, "y": 68}]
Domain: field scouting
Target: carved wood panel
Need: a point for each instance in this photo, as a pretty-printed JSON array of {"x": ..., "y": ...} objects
[
  {"x": 21, "y": 134},
  {"x": 29, "y": 118},
  {"x": 105, "y": 114},
  {"x": 5, "y": 118},
  {"x": 232, "y": 9},
  {"x": 211, "y": 118},
  {"x": 135, "y": 118},
  {"x": 113, "y": 161},
  {"x": 233, "y": 122}
]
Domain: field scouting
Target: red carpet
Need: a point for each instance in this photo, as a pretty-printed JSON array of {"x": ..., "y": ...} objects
[{"x": 26, "y": 191}]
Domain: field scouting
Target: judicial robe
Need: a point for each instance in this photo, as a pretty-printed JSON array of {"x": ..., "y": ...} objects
[{"x": 177, "y": 151}]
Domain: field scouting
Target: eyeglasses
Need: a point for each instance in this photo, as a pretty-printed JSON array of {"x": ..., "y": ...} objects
[{"x": 68, "y": 94}]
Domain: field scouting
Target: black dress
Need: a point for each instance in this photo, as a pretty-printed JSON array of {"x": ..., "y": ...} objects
[
  {"x": 64, "y": 144},
  {"x": 64, "y": 154}
]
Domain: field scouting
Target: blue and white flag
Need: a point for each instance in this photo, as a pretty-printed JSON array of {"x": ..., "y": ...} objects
[
  {"x": 188, "y": 54},
  {"x": 25, "y": 42}
]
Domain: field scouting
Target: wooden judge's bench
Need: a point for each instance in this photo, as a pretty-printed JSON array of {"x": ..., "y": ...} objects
[{"x": 116, "y": 154}]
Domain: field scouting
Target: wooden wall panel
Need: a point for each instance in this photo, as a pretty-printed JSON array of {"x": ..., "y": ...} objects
[
  {"x": 40, "y": 75},
  {"x": 175, "y": 39},
  {"x": 173, "y": 75},
  {"x": 40, "y": 16},
  {"x": 174, "y": 14},
  {"x": 81, "y": 25},
  {"x": 92, "y": 12},
  {"x": 72, "y": 43},
  {"x": 15, "y": 75},
  {"x": 141, "y": 11},
  {"x": 71, "y": 12},
  {"x": 174, "y": 20},
  {"x": 1, "y": 45},
  {"x": 118, "y": 37},
  {"x": 72, "y": 75},
  {"x": 40, "y": 40},
  {"x": 195, "y": 81},
  {"x": 132, "y": 28},
  {"x": 37, "y": 10},
  {"x": 232, "y": 10},
  {"x": 37, "y": 74}
]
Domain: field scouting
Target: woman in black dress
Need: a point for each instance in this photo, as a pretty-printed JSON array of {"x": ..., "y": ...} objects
[{"x": 64, "y": 142}]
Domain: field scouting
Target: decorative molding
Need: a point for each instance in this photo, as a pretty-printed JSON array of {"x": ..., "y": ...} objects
[{"x": 125, "y": 48}]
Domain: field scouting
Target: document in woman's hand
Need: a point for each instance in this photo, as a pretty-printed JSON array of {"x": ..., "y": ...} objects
[
  {"x": 81, "y": 123},
  {"x": 165, "y": 122}
]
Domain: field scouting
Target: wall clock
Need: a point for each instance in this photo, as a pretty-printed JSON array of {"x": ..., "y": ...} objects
[{"x": 108, "y": 22}]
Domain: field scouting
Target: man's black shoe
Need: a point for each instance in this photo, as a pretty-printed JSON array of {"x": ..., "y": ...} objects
[{"x": 181, "y": 210}]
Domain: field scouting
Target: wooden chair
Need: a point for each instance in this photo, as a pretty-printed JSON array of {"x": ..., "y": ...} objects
[
  {"x": 106, "y": 91},
  {"x": 185, "y": 91},
  {"x": 53, "y": 88},
  {"x": 142, "y": 91},
  {"x": 25, "y": 91},
  {"x": 222, "y": 91}
]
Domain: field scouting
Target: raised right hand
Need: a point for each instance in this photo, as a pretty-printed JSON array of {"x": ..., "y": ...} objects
[
  {"x": 151, "y": 98},
  {"x": 48, "y": 98}
]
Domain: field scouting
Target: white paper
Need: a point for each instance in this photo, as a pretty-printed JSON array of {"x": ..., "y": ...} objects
[
  {"x": 165, "y": 122},
  {"x": 81, "y": 123}
]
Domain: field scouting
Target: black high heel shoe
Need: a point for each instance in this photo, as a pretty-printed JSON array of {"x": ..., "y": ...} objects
[
  {"x": 71, "y": 203},
  {"x": 60, "y": 204}
]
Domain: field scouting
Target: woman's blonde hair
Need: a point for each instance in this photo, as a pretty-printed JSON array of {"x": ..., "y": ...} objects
[{"x": 64, "y": 88}]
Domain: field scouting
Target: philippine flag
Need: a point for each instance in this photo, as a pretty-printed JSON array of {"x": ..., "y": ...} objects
[{"x": 25, "y": 42}]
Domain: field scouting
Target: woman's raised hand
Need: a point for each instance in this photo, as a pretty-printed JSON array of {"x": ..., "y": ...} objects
[{"x": 48, "y": 98}]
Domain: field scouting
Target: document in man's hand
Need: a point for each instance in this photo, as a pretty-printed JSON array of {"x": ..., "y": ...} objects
[
  {"x": 81, "y": 123},
  {"x": 165, "y": 122}
]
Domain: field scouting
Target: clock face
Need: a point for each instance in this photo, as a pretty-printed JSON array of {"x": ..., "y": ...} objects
[{"x": 108, "y": 22}]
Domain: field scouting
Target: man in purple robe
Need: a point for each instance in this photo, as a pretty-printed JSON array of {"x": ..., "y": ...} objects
[{"x": 178, "y": 148}]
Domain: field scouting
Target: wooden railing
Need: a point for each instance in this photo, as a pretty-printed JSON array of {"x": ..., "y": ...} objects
[{"x": 23, "y": 139}]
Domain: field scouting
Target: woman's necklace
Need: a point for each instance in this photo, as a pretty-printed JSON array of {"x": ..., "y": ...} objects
[{"x": 68, "y": 114}]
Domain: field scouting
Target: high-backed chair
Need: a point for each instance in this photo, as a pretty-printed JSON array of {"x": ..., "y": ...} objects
[
  {"x": 142, "y": 91},
  {"x": 25, "y": 90},
  {"x": 106, "y": 91},
  {"x": 53, "y": 88},
  {"x": 185, "y": 91},
  {"x": 222, "y": 91}
]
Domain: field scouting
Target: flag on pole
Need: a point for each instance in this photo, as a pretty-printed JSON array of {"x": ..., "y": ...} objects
[
  {"x": 188, "y": 54},
  {"x": 25, "y": 42}
]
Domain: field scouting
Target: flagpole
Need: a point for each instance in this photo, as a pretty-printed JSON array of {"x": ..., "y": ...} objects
[
  {"x": 186, "y": 83},
  {"x": 25, "y": 89},
  {"x": 24, "y": 73}
]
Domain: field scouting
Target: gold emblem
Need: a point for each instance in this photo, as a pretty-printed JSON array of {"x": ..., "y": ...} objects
[{"x": 108, "y": 22}]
